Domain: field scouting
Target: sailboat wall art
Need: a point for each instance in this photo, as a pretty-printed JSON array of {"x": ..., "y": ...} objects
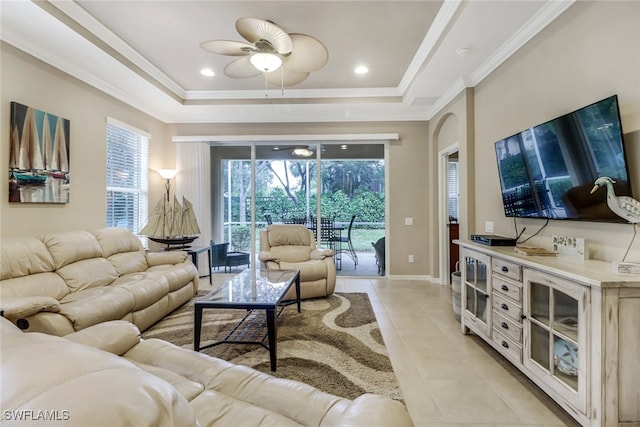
[{"x": 38, "y": 156}]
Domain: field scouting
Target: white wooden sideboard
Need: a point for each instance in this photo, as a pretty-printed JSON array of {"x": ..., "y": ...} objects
[{"x": 570, "y": 325}]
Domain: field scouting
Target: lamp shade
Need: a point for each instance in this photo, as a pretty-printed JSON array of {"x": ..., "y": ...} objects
[
  {"x": 167, "y": 173},
  {"x": 266, "y": 62}
]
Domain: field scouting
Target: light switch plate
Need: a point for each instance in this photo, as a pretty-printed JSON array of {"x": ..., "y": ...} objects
[{"x": 408, "y": 221}]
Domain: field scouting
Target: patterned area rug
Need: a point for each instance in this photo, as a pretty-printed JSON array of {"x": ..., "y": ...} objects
[{"x": 334, "y": 345}]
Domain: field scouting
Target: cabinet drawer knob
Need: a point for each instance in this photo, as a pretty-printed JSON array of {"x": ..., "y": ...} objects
[
  {"x": 505, "y": 344},
  {"x": 504, "y": 306},
  {"x": 504, "y": 325},
  {"x": 504, "y": 269},
  {"x": 504, "y": 288}
]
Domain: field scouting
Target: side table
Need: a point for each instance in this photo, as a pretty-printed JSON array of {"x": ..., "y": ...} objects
[{"x": 195, "y": 252}]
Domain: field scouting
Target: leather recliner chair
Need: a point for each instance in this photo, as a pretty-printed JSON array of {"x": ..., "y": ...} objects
[{"x": 292, "y": 247}]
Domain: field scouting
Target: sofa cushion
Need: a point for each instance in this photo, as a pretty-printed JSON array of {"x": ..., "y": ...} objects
[
  {"x": 88, "y": 273},
  {"x": 40, "y": 284},
  {"x": 117, "y": 240},
  {"x": 128, "y": 262},
  {"x": 123, "y": 249},
  {"x": 293, "y": 254},
  {"x": 145, "y": 291},
  {"x": 283, "y": 235},
  {"x": 71, "y": 246},
  {"x": 22, "y": 256},
  {"x": 187, "y": 388},
  {"x": 309, "y": 270},
  {"x": 96, "y": 305},
  {"x": 225, "y": 410}
]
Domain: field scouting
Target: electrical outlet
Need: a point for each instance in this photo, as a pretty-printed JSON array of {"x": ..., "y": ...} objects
[
  {"x": 411, "y": 258},
  {"x": 488, "y": 226}
]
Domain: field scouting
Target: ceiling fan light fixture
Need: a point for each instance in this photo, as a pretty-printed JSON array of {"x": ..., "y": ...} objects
[
  {"x": 265, "y": 61},
  {"x": 207, "y": 72},
  {"x": 302, "y": 152}
]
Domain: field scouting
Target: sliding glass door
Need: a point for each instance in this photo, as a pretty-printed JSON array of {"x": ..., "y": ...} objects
[{"x": 329, "y": 184}]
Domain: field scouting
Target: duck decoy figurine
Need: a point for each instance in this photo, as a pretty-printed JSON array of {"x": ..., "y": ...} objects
[{"x": 624, "y": 206}]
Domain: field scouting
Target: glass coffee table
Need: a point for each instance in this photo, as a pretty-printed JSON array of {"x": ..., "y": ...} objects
[{"x": 260, "y": 293}]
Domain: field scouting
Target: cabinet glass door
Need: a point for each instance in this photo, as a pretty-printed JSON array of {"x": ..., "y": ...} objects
[
  {"x": 555, "y": 312},
  {"x": 476, "y": 286}
]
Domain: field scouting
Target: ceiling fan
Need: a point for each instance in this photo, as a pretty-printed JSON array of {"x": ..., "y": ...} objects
[
  {"x": 299, "y": 150},
  {"x": 270, "y": 48}
]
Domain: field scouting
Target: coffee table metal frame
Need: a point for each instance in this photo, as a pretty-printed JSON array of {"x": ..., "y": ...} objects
[{"x": 262, "y": 297}]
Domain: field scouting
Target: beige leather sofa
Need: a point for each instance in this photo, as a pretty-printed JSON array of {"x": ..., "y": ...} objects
[
  {"x": 67, "y": 281},
  {"x": 292, "y": 247},
  {"x": 106, "y": 375}
]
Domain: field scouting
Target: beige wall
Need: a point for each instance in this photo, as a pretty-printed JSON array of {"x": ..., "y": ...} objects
[
  {"x": 590, "y": 52},
  {"x": 31, "y": 82},
  {"x": 408, "y": 193},
  {"x": 453, "y": 126}
]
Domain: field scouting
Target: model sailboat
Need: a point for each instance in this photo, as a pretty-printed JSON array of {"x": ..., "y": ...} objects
[{"x": 172, "y": 223}]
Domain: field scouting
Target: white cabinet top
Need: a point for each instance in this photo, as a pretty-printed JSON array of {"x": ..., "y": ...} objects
[{"x": 589, "y": 272}]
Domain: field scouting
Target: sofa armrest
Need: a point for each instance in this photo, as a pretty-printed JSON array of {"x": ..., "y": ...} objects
[
  {"x": 373, "y": 410},
  {"x": 321, "y": 253},
  {"x": 20, "y": 307},
  {"x": 167, "y": 257},
  {"x": 268, "y": 256},
  {"x": 116, "y": 336}
]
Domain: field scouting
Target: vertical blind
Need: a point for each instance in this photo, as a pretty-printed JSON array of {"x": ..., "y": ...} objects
[{"x": 127, "y": 177}]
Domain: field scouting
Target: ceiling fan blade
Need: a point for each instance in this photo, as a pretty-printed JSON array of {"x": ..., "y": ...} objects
[
  {"x": 309, "y": 54},
  {"x": 289, "y": 78},
  {"x": 241, "y": 69},
  {"x": 227, "y": 47},
  {"x": 254, "y": 30}
]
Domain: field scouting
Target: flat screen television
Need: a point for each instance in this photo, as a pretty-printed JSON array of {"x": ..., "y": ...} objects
[{"x": 548, "y": 171}]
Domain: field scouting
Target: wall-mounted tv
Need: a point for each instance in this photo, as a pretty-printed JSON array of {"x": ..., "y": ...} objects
[{"x": 548, "y": 171}]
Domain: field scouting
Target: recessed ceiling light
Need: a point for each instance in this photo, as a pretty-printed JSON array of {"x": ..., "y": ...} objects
[
  {"x": 207, "y": 72},
  {"x": 361, "y": 69}
]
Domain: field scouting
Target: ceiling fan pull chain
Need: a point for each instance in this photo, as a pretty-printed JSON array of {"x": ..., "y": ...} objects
[
  {"x": 266, "y": 94},
  {"x": 282, "y": 80}
]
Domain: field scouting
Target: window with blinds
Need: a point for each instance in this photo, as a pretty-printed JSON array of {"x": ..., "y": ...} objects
[
  {"x": 127, "y": 176},
  {"x": 452, "y": 182}
]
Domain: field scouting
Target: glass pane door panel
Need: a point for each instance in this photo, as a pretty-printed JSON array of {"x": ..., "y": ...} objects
[
  {"x": 471, "y": 299},
  {"x": 470, "y": 266},
  {"x": 481, "y": 276},
  {"x": 481, "y": 305},
  {"x": 540, "y": 303},
  {"x": 540, "y": 345},
  {"x": 565, "y": 314},
  {"x": 565, "y": 362}
]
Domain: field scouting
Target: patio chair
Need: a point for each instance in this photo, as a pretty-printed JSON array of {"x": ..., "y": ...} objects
[
  {"x": 268, "y": 218},
  {"x": 347, "y": 239},
  {"x": 221, "y": 257}
]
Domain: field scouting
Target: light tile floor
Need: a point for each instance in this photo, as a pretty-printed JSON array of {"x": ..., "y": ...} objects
[{"x": 449, "y": 379}]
